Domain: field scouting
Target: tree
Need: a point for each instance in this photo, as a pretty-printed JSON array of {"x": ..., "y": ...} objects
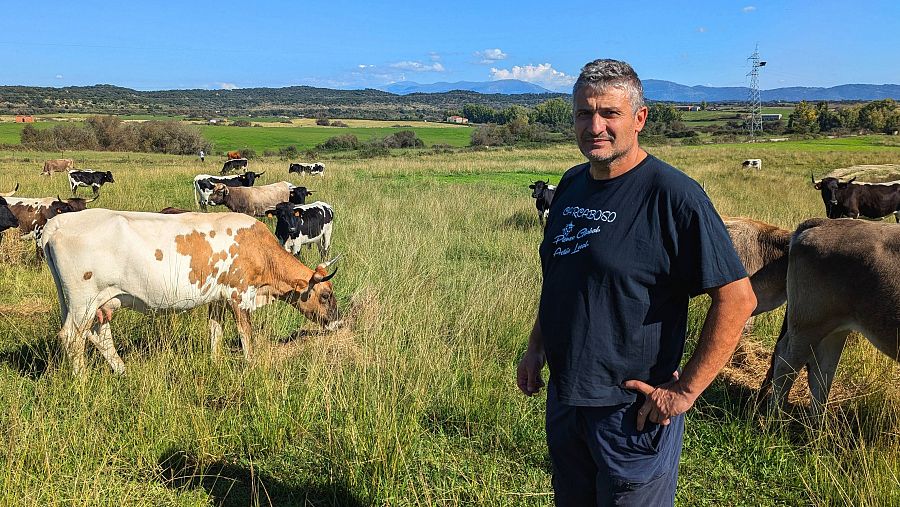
[
  {"x": 479, "y": 113},
  {"x": 804, "y": 119},
  {"x": 878, "y": 116},
  {"x": 554, "y": 112},
  {"x": 827, "y": 119}
]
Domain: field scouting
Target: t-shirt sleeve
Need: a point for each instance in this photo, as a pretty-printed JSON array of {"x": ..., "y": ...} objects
[{"x": 706, "y": 256}]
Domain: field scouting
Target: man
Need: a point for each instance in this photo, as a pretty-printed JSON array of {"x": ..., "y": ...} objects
[
  {"x": 202, "y": 156},
  {"x": 628, "y": 241}
]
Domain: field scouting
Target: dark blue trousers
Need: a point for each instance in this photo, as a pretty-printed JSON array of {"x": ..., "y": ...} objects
[{"x": 599, "y": 458}]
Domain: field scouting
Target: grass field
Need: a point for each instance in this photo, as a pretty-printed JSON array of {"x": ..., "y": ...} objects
[{"x": 415, "y": 402}]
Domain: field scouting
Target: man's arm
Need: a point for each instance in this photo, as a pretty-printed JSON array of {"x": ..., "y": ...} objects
[
  {"x": 731, "y": 306},
  {"x": 528, "y": 375}
]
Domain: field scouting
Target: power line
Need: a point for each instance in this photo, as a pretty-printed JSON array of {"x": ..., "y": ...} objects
[{"x": 755, "y": 103}]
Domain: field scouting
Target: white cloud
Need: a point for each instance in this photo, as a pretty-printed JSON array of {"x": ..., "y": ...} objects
[
  {"x": 435, "y": 56},
  {"x": 749, "y": 8},
  {"x": 491, "y": 55},
  {"x": 365, "y": 66},
  {"x": 418, "y": 66},
  {"x": 701, "y": 29},
  {"x": 59, "y": 76},
  {"x": 543, "y": 74},
  {"x": 228, "y": 86}
]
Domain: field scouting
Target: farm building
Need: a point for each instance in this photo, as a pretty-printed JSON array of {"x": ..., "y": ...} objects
[
  {"x": 687, "y": 108},
  {"x": 770, "y": 117},
  {"x": 24, "y": 118},
  {"x": 457, "y": 119}
]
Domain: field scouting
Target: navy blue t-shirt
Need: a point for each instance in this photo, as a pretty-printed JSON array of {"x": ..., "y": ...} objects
[{"x": 620, "y": 259}]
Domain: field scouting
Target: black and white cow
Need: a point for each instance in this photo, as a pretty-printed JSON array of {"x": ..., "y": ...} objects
[
  {"x": 303, "y": 224},
  {"x": 542, "y": 192},
  {"x": 204, "y": 184},
  {"x": 233, "y": 164},
  {"x": 313, "y": 169},
  {"x": 89, "y": 178},
  {"x": 299, "y": 195}
]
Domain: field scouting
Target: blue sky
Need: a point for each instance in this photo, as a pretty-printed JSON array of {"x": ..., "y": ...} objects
[{"x": 358, "y": 44}]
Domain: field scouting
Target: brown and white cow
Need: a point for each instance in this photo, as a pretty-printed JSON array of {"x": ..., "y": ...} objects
[
  {"x": 32, "y": 214},
  {"x": 252, "y": 201},
  {"x": 58, "y": 165},
  {"x": 173, "y": 262},
  {"x": 842, "y": 276},
  {"x": 763, "y": 250}
]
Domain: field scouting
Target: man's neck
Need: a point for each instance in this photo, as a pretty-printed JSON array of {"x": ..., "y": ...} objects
[{"x": 618, "y": 166}]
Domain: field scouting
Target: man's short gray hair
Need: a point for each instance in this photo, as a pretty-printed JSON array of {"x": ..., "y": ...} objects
[{"x": 602, "y": 74}]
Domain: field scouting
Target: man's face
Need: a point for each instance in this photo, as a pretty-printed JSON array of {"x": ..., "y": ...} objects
[{"x": 606, "y": 126}]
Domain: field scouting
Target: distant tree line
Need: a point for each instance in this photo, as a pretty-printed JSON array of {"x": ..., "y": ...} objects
[
  {"x": 109, "y": 133},
  {"x": 878, "y": 116}
]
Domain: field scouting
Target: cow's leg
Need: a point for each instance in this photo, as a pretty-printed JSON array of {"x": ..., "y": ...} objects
[
  {"x": 242, "y": 320},
  {"x": 72, "y": 337},
  {"x": 822, "y": 367},
  {"x": 791, "y": 353},
  {"x": 216, "y": 317},
  {"x": 101, "y": 337}
]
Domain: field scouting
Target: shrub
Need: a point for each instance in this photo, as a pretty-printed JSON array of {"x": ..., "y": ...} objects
[
  {"x": 339, "y": 143},
  {"x": 338, "y": 123},
  {"x": 402, "y": 139},
  {"x": 241, "y": 123},
  {"x": 323, "y": 122},
  {"x": 111, "y": 134},
  {"x": 248, "y": 153},
  {"x": 372, "y": 150},
  {"x": 492, "y": 135},
  {"x": 288, "y": 152},
  {"x": 269, "y": 153}
]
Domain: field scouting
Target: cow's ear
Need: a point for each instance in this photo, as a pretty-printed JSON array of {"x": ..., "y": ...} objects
[
  {"x": 270, "y": 213},
  {"x": 531, "y": 186},
  {"x": 818, "y": 186}
]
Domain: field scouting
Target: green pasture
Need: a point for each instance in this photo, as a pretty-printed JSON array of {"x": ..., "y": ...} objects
[
  {"x": 414, "y": 402},
  {"x": 11, "y": 133},
  {"x": 226, "y": 138}
]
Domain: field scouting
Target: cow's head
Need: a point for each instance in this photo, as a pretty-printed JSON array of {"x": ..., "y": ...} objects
[
  {"x": 299, "y": 195},
  {"x": 316, "y": 299},
  {"x": 220, "y": 190},
  {"x": 294, "y": 168},
  {"x": 288, "y": 219},
  {"x": 58, "y": 207},
  {"x": 832, "y": 190},
  {"x": 538, "y": 188},
  {"x": 7, "y": 219},
  {"x": 76, "y": 203},
  {"x": 249, "y": 177},
  {"x": 107, "y": 177}
]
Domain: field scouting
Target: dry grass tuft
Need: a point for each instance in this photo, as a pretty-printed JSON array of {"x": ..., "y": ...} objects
[
  {"x": 870, "y": 173},
  {"x": 26, "y": 308}
]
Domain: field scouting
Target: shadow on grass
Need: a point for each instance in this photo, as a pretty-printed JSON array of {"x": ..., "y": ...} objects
[
  {"x": 235, "y": 484},
  {"x": 521, "y": 220},
  {"x": 32, "y": 360}
]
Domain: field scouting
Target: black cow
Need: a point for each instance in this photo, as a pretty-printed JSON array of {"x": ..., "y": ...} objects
[
  {"x": 7, "y": 219},
  {"x": 204, "y": 183},
  {"x": 305, "y": 224},
  {"x": 849, "y": 199},
  {"x": 542, "y": 192},
  {"x": 299, "y": 195},
  {"x": 317, "y": 168},
  {"x": 89, "y": 178},
  {"x": 233, "y": 164}
]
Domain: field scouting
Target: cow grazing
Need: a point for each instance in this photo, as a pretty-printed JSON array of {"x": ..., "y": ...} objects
[
  {"x": 233, "y": 164},
  {"x": 763, "y": 250},
  {"x": 203, "y": 185},
  {"x": 849, "y": 199},
  {"x": 842, "y": 277},
  {"x": 312, "y": 169},
  {"x": 173, "y": 262},
  {"x": 89, "y": 178},
  {"x": 57, "y": 166},
  {"x": 542, "y": 192},
  {"x": 10, "y": 194},
  {"x": 7, "y": 219},
  {"x": 252, "y": 201},
  {"x": 303, "y": 224},
  {"x": 752, "y": 163},
  {"x": 299, "y": 195},
  {"x": 233, "y": 155}
]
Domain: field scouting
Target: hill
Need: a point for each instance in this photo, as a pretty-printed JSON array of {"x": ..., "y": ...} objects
[
  {"x": 504, "y": 86},
  {"x": 668, "y": 91}
]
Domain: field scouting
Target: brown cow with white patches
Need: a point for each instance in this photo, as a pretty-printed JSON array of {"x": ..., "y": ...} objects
[
  {"x": 763, "y": 250},
  {"x": 102, "y": 260},
  {"x": 253, "y": 201},
  {"x": 33, "y": 213}
]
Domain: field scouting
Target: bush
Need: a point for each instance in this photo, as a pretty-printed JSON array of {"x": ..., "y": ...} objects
[
  {"x": 269, "y": 153},
  {"x": 248, "y": 153},
  {"x": 241, "y": 123},
  {"x": 372, "y": 150},
  {"x": 288, "y": 152},
  {"x": 108, "y": 133},
  {"x": 340, "y": 143},
  {"x": 402, "y": 139},
  {"x": 492, "y": 135},
  {"x": 338, "y": 123},
  {"x": 323, "y": 122}
]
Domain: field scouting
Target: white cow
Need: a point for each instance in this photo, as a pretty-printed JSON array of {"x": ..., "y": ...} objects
[
  {"x": 752, "y": 163},
  {"x": 102, "y": 260}
]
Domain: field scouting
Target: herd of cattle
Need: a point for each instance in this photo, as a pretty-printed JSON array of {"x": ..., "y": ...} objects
[
  {"x": 176, "y": 259},
  {"x": 836, "y": 276}
]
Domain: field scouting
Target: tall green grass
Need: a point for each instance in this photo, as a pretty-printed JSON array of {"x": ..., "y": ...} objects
[{"x": 415, "y": 402}]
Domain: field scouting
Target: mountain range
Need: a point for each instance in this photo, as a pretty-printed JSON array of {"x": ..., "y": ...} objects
[{"x": 655, "y": 89}]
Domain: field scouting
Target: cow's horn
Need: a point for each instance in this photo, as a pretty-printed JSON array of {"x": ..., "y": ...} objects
[
  {"x": 813, "y": 179},
  {"x": 326, "y": 264},
  {"x": 260, "y": 174},
  {"x": 92, "y": 200},
  {"x": 10, "y": 194}
]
